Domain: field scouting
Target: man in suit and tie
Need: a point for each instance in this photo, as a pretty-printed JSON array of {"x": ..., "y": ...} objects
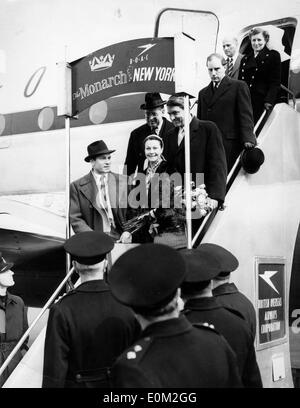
[
  {"x": 227, "y": 103},
  {"x": 98, "y": 200},
  {"x": 156, "y": 123},
  {"x": 233, "y": 57},
  {"x": 207, "y": 153}
]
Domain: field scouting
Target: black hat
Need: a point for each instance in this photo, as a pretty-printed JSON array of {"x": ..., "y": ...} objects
[
  {"x": 153, "y": 100},
  {"x": 207, "y": 262},
  {"x": 96, "y": 148},
  {"x": 4, "y": 266},
  {"x": 201, "y": 266},
  {"x": 228, "y": 262},
  {"x": 252, "y": 159},
  {"x": 147, "y": 276},
  {"x": 89, "y": 247}
]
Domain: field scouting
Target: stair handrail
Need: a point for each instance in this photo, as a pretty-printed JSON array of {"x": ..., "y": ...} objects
[
  {"x": 28, "y": 331},
  {"x": 231, "y": 176},
  {"x": 290, "y": 93}
]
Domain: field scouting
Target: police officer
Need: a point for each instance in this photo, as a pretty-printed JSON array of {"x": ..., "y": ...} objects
[
  {"x": 13, "y": 320},
  {"x": 87, "y": 328},
  {"x": 170, "y": 352},
  {"x": 200, "y": 306},
  {"x": 227, "y": 293}
]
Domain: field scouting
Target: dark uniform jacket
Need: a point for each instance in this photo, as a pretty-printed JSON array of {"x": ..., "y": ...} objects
[
  {"x": 235, "y": 331},
  {"x": 85, "y": 211},
  {"x": 87, "y": 330},
  {"x": 135, "y": 151},
  {"x": 263, "y": 76},
  {"x": 229, "y": 296},
  {"x": 173, "y": 353},
  {"x": 207, "y": 156},
  {"x": 16, "y": 324},
  {"x": 229, "y": 107}
]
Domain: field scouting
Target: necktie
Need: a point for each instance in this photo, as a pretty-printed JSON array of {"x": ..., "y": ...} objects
[
  {"x": 154, "y": 131},
  {"x": 215, "y": 86},
  {"x": 229, "y": 66},
  {"x": 103, "y": 192},
  {"x": 180, "y": 135}
]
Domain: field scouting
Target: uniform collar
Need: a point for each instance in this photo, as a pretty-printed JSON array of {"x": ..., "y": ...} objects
[
  {"x": 10, "y": 299},
  {"x": 204, "y": 303},
  {"x": 96, "y": 285},
  {"x": 168, "y": 328},
  {"x": 225, "y": 289}
]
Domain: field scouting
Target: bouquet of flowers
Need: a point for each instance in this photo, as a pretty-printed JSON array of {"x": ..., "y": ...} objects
[{"x": 200, "y": 201}]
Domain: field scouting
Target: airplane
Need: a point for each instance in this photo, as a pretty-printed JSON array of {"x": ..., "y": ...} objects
[{"x": 260, "y": 210}]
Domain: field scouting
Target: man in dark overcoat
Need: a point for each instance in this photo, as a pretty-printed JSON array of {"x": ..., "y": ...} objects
[
  {"x": 201, "y": 306},
  {"x": 228, "y": 295},
  {"x": 13, "y": 320},
  {"x": 171, "y": 352},
  {"x": 227, "y": 103},
  {"x": 207, "y": 155},
  {"x": 87, "y": 328},
  {"x": 98, "y": 200},
  {"x": 156, "y": 123}
]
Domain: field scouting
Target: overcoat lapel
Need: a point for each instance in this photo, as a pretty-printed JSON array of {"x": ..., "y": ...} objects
[
  {"x": 222, "y": 88},
  {"x": 89, "y": 188}
]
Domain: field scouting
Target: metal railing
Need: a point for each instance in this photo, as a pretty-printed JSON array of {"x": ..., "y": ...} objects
[
  {"x": 290, "y": 93},
  {"x": 28, "y": 331}
]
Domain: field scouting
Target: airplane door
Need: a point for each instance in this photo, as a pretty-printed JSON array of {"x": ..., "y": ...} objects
[{"x": 203, "y": 26}]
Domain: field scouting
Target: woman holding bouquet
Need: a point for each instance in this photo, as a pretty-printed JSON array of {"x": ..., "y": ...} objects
[{"x": 156, "y": 211}]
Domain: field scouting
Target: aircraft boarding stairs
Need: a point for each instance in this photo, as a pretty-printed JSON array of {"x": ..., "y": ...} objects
[{"x": 261, "y": 218}]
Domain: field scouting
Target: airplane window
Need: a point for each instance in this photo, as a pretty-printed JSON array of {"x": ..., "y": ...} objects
[
  {"x": 98, "y": 112},
  {"x": 2, "y": 124},
  {"x": 46, "y": 118}
]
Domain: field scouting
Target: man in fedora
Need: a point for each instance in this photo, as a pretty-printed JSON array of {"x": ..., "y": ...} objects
[
  {"x": 203, "y": 264},
  {"x": 171, "y": 352},
  {"x": 13, "y": 320},
  {"x": 156, "y": 123},
  {"x": 87, "y": 328},
  {"x": 98, "y": 200}
]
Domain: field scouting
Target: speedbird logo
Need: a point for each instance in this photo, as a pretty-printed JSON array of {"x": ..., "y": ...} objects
[
  {"x": 146, "y": 47},
  {"x": 101, "y": 63}
]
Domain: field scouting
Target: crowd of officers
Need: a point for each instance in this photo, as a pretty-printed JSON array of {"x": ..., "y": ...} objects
[{"x": 158, "y": 318}]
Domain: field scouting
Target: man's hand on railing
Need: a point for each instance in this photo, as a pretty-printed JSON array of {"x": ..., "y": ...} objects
[
  {"x": 268, "y": 106},
  {"x": 249, "y": 145}
]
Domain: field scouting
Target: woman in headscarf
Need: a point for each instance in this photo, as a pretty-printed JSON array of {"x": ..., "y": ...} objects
[{"x": 156, "y": 197}]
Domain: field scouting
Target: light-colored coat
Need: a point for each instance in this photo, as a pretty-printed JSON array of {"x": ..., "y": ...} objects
[{"x": 86, "y": 213}]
